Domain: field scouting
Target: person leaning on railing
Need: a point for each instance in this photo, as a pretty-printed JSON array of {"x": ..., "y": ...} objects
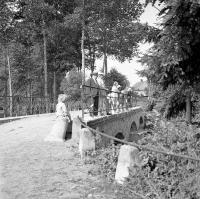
[
  {"x": 129, "y": 97},
  {"x": 91, "y": 93}
]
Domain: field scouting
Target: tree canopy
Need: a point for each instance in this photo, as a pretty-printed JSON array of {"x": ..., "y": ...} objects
[
  {"x": 112, "y": 76},
  {"x": 41, "y": 40},
  {"x": 174, "y": 59}
]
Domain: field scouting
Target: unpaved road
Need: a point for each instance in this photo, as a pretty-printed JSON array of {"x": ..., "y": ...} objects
[{"x": 33, "y": 169}]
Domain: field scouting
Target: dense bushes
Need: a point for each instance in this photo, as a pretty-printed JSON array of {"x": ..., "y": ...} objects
[
  {"x": 172, "y": 102},
  {"x": 159, "y": 176},
  {"x": 172, "y": 177},
  {"x": 105, "y": 161}
]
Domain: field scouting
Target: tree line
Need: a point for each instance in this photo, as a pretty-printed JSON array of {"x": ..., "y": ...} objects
[{"x": 40, "y": 40}]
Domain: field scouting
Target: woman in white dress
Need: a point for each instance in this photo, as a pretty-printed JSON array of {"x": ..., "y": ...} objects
[
  {"x": 63, "y": 118},
  {"x": 114, "y": 97}
]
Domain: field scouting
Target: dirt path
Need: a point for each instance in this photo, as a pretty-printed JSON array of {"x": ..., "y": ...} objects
[{"x": 33, "y": 169}]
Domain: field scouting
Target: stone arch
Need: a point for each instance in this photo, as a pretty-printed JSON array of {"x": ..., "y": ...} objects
[
  {"x": 133, "y": 136},
  {"x": 141, "y": 122},
  {"x": 133, "y": 127},
  {"x": 120, "y": 136}
]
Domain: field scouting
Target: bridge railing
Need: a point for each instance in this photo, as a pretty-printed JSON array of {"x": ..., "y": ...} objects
[
  {"x": 100, "y": 101},
  {"x": 142, "y": 147},
  {"x": 152, "y": 178}
]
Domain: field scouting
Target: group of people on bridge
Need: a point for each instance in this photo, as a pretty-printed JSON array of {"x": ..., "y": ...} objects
[{"x": 101, "y": 101}]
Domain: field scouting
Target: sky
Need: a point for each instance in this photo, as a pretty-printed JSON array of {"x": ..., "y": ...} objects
[{"x": 129, "y": 69}]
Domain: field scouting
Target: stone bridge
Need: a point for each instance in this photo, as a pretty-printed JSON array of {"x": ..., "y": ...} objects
[{"x": 123, "y": 125}]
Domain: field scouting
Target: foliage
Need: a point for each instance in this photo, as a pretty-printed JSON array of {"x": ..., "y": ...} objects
[
  {"x": 172, "y": 102},
  {"x": 112, "y": 28},
  {"x": 158, "y": 175},
  {"x": 112, "y": 76},
  {"x": 31, "y": 29},
  {"x": 106, "y": 161},
  {"x": 71, "y": 85},
  {"x": 174, "y": 59},
  {"x": 114, "y": 24},
  {"x": 63, "y": 49},
  {"x": 22, "y": 31},
  {"x": 165, "y": 176},
  {"x": 150, "y": 105}
]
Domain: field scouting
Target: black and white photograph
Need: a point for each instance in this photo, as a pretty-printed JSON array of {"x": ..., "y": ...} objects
[{"x": 99, "y": 99}]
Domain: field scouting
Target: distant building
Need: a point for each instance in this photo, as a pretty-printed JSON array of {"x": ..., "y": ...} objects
[{"x": 141, "y": 88}]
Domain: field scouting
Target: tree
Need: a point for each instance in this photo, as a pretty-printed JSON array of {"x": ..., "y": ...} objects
[
  {"x": 6, "y": 36},
  {"x": 112, "y": 28},
  {"x": 40, "y": 14},
  {"x": 63, "y": 51},
  {"x": 71, "y": 85},
  {"x": 174, "y": 59},
  {"x": 45, "y": 17},
  {"x": 113, "y": 76}
]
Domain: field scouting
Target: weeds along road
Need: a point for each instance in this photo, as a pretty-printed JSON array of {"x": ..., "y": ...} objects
[{"x": 33, "y": 169}]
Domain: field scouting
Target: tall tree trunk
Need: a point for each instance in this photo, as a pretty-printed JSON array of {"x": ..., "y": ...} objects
[
  {"x": 5, "y": 98},
  {"x": 28, "y": 94},
  {"x": 54, "y": 88},
  {"x": 150, "y": 90},
  {"x": 93, "y": 55},
  {"x": 105, "y": 66},
  {"x": 45, "y": 69},
  {"x": 9, "y": 81},
  {"x": 29, "y": 89},
  {"x": 188, "y": 107},
  {"x": 83, "y": 56},
  {"x": 31, "y": 99},
  {"x": 6, "y": 90},
  {"x": 90, "y": 57}
]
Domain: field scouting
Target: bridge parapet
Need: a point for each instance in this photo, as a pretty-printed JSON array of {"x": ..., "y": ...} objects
[
  {"x": 92, "y": 122},
  {"x": 124, "y": 125}
]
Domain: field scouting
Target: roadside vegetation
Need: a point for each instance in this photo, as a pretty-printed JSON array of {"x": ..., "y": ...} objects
[{"x": 157, "y": 175}]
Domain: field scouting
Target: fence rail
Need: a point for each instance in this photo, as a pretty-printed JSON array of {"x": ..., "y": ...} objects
[
  {"x": 23, "y": 105},
  {"x": 146, "y": 148},
  {"x": 101, "y": 101}
]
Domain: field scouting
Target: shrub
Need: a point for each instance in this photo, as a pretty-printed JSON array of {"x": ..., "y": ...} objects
[
  {"x": 71, "y": 85},
  {"x": 105, "y": 161},
  {"x": 150, "y": 105},
  {"x": 172, "y": 177},
  {"x": 174, "y": 102}
]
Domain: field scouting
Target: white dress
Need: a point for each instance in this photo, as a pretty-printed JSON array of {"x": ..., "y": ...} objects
[{"x": 58, "y": 130}]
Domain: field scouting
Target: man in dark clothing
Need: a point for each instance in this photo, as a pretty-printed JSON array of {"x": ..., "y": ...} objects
[
  {"x": 96, "y": 97},
  {"x": 91, "y": 93},
  {"x": 129, "y": 98}
]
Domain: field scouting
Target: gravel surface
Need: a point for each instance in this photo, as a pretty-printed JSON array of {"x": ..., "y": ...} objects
[{"x": 33, "y": 169}]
